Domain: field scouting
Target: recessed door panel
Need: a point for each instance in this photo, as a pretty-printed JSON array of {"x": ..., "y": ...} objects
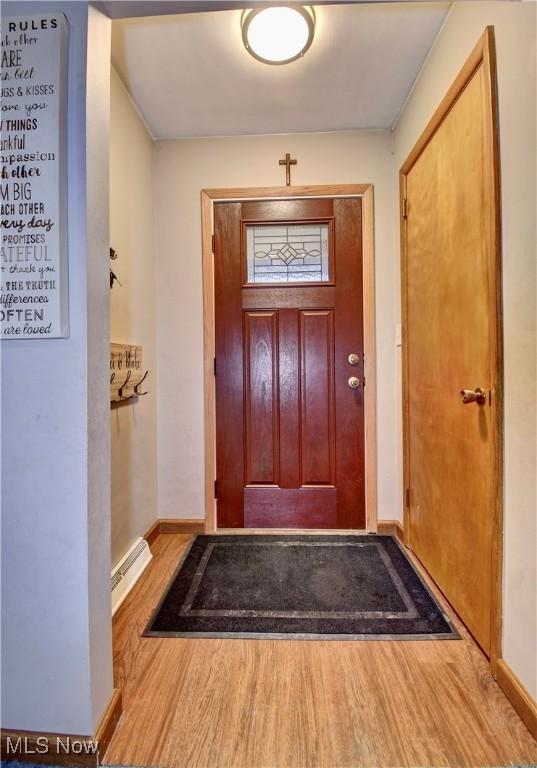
[
  {"x": 261, "y": 397},
  {"x": 317, "y": 433}
]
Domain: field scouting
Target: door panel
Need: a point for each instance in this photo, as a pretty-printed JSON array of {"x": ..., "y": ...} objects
[
  {"x": 451, "y": 324},
  {"x": 290, "y": 431},
  {"x": 261, "y": 397},
  {"x": 289, "y": 348},
  {"x": 290, "y": 508},
  {"x": 317, "y": 433}
]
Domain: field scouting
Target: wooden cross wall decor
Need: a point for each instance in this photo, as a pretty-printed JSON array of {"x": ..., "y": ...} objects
[{"x": 288, "y": 163}]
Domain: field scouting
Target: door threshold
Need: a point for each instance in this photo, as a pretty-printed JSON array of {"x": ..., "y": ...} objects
[{"x": 296, "y": 531}]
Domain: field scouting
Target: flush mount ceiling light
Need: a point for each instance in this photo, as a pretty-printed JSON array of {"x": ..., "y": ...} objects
[{"x": 278, "y": 35}]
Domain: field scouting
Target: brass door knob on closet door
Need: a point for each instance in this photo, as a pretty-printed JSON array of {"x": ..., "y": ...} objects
[{"x": 476, "y": 395}]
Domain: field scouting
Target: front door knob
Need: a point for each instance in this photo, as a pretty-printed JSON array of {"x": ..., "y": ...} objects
[
  {"x": 353, "y": 359},
  {"x": 476, "y": 395},
  {"x": 354, "y": 382}
]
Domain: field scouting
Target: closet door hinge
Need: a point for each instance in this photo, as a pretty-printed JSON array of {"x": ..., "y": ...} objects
[
  {"x": 407, "y": 497},
  {"x": 405, "y": 208},
  {"x": 214, "y": 366},
  {"x": 216, "y": 489},
  {"x": 213, "y": 243}
]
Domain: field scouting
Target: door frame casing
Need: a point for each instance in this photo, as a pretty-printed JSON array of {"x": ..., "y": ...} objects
[
  {"x": 208, "y": 199},
  {"x": 482, "y": 54}
]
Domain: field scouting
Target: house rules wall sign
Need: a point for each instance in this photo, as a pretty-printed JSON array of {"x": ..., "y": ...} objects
[{"x": 33, "y": 180}]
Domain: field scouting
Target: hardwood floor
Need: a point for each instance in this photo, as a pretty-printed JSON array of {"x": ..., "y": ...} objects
[{"x": 283, "y": 704}]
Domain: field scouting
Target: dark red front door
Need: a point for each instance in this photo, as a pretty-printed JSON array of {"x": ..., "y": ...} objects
[{"x": 289, "y": 364}]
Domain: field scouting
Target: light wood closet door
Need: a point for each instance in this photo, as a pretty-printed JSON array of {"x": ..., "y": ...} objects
[{"x": 450, "y": 343}]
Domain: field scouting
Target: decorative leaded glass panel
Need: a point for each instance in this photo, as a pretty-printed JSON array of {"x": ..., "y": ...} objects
[{"x": 287, "y": 253}]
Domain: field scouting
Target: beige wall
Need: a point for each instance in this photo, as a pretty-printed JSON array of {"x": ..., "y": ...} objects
[
  {"x": 515, "y": 27},
  {"x": 132, "y": 319},
  {"x": 183, "y": 168}
]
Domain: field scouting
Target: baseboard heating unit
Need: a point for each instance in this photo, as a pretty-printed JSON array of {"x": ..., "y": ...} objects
[{"x": 128, "y": 571}]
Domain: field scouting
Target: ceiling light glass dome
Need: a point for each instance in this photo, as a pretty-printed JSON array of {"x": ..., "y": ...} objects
[{"x": 278, "y": 35}]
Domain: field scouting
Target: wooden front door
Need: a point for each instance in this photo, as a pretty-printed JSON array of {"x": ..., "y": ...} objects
[
  {"x": 289, "y": 364},
  {"x": 450, "y": 292}
]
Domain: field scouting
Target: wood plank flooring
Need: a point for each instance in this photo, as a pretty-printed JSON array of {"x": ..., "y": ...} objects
[{"x": 211, "y": 703}]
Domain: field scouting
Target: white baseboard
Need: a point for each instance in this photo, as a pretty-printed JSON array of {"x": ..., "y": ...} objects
[{"x": 128, "y": 571}]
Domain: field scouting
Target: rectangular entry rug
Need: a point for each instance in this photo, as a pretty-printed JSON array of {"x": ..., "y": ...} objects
[{"x": 303, "y": 587}]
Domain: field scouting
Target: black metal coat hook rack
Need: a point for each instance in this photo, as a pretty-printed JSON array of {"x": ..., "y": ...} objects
[
  {"x": 113, "y": 277},
  {"x": 127, "y": 374}
]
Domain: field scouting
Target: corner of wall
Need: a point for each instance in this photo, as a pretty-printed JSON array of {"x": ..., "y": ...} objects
[{"x": 98, "y": 240}]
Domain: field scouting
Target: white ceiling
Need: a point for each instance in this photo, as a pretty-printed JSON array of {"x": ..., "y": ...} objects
[{"x": 191, "y": 76}]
